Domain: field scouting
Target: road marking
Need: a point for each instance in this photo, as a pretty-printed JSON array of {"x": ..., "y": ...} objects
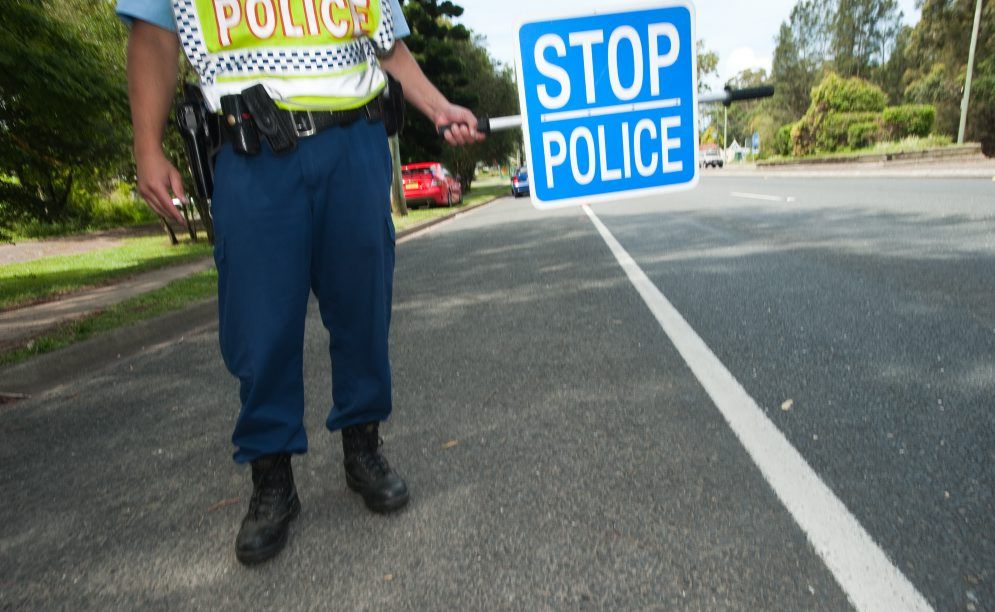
[
  {"x": 861, "y": 568},
  {"x": 760, "y": 196}
]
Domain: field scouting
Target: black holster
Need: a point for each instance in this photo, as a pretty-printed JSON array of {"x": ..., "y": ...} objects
[
  {"x": 275, "y": 125},
  {"x": 201, "y": 132},
  {"x": 393, "y": 106}
]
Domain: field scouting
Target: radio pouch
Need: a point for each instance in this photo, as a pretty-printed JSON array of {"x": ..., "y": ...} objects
[
  {"x": 274, "y": 124},
  {"x": 393, "y": 107}
]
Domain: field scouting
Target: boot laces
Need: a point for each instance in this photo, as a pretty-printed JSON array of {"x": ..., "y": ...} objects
[
  {"x": 269, "y": 493},
  {"x": 373, "y": 460}
]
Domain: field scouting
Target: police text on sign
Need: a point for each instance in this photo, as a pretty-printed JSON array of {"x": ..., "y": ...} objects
[{"x": 609, "y": 104}]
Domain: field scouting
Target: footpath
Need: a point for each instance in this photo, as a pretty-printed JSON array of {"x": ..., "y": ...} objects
[
  {"x": 31, "y": 250},
  {"x": 45, "y": 372}
]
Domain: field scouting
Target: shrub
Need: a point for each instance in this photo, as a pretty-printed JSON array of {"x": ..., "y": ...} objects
[
  {"x": 854, "y": 95},
  {"x": 782, "y": 140},
  {"x": 803, "y": 137},
  {"x": 837, "y": 104},
  {"x": 863, "y": 135},
  {"x": 834, "y": 132},
  {"x": 909, "y": 120}
]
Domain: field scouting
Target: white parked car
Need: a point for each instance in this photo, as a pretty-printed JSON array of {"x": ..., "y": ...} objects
[{"x": 711, "y": 157}]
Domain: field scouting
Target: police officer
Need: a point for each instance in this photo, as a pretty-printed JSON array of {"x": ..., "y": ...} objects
[{"x": 306, "y": 210}]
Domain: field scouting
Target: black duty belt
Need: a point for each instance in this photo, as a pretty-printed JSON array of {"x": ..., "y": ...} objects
[
  {"x": 309, "y": 123},
  {"x": 245, "y": 120}
]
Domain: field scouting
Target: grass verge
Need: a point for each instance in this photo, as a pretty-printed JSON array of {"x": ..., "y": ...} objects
[
  {"x": 481, "y": 193},
  {"x": 173, "y": 296},
  {"x": 908, "y": 145},
  {"x": 33, "y": 281},
  {"x": 51, "y": 276}
]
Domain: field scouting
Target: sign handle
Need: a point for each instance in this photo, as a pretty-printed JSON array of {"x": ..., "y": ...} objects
[
  {"x": 487, "y": 125},
  {"x": 483, "y": 125},
  {"x": 729, "y": 95}
]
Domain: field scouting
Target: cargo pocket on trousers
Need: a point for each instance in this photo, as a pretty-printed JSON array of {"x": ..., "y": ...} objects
[{"x": 221, "y": 263}]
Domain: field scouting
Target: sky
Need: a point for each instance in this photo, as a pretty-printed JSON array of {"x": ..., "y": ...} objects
[{"x": 741, "y": 31}]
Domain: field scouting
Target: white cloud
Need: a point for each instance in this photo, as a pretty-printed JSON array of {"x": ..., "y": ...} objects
[{"x": 742, "y": 58}]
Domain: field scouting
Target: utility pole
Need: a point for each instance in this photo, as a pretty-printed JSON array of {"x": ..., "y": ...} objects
[
  {"x": 725, "y": 130},
  {"x": 400, "y": 205},
  {"x": 970, "y": 73}
]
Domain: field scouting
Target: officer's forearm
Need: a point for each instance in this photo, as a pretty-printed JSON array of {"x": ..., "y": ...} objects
[
  {"x": 153, "y": 56},
  {"x": 417, "y": 88}
]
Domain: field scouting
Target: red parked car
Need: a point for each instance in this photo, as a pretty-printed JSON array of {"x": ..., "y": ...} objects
[{"x": 430, "y": 183}]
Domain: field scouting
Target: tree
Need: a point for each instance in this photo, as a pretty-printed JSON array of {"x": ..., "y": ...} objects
[
  {"x": 863, "y": 35},
  {"x": 459, "y": 65},
  {"x": 803, "y": 46},
  {"x": 433, "y": 43},
  {"x": 745, "y": 118},
  {"x": 891, "y": 75},
  {"x": 850, "y": 37},
  {"x": 63, "y": 107},
  {"x": 936, "y": 56},
  {"x": 497, "y": 96},
  {"x": 708, "y": 64}
]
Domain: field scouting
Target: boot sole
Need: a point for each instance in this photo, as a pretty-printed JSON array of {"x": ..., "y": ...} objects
[
  {"x": 378, "y": 507},
  {"x": 255, "y": 557}
]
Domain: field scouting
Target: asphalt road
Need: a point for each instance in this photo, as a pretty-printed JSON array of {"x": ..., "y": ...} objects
[{"x": 561, "y": 451}]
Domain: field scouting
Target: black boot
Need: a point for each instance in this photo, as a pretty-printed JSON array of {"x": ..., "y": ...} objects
[
  {"x": 367, "y": 471},
  {"x": 273, "y": 505}
]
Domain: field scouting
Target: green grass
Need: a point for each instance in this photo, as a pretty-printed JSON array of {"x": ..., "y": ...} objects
[
  {"x": 483, "y": 191},
  {"x": 32, "y": 281},
  {"x": 173, "y": 296},
  {"x": 29, "y": 282}
]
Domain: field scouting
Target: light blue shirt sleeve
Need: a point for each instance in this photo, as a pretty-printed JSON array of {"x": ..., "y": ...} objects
[
  {"x": 160, "y": 13},
  {"x": 401, "y": 28},
  {"x": 156, "y": 12}
]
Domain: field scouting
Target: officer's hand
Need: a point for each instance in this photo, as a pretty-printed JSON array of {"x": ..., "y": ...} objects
[
  {"x": 158, "y": 183},
  {"x": 462, "y": 125}
]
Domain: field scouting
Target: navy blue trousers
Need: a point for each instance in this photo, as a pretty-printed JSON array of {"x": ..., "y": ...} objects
[{"x": 317, "y": 219}]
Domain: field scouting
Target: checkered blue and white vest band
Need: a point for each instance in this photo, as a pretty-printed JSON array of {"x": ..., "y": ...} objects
[{"x": 309, "y": 54}]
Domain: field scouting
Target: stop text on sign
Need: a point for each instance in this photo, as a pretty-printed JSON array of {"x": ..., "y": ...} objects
[{"x": 609, "y": 104}]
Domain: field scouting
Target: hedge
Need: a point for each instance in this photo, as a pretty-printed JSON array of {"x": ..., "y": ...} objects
[
  {"x": 835, "y": 94},
  {"x": 909, "y": 120},
  {"x": 782, "y": 140},
  {"x": 834, "y": 132},
  {"x": 803, "y": 137},
  {"x": 863, "y": 135}
]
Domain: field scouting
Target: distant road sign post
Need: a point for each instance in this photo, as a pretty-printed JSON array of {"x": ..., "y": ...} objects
[{"x": 609, "y": 103}]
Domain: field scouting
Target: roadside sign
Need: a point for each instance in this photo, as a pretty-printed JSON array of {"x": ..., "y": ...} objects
[
  {"x": 609, "y": 103},
  {"x": 756, "y": 142}
]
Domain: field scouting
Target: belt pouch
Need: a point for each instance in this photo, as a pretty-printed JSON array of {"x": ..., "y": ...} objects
[
  {"x": 392, "y": 107},
  {"x": 237, "y": 120},
  {"x": 275, "y": 124}
]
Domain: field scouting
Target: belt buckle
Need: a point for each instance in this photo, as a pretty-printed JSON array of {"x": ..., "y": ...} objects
[{"x": 304, "y": 128}]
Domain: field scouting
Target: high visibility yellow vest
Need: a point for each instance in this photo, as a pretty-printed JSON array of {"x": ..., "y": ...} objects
[{"x": 309, "y": 54}]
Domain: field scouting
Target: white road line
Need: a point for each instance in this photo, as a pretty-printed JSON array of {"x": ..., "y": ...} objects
[
  {"x": 861, "y": 568},
  {"x": 610, "y": 110},
  {"x": 759, "y": 196}
]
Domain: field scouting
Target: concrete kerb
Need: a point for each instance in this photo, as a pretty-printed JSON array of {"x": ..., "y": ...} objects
[
  {"x": 416, "y": 230},
  {"x": 49, "y": 372},
  {"x": 954, "y": 152}
]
